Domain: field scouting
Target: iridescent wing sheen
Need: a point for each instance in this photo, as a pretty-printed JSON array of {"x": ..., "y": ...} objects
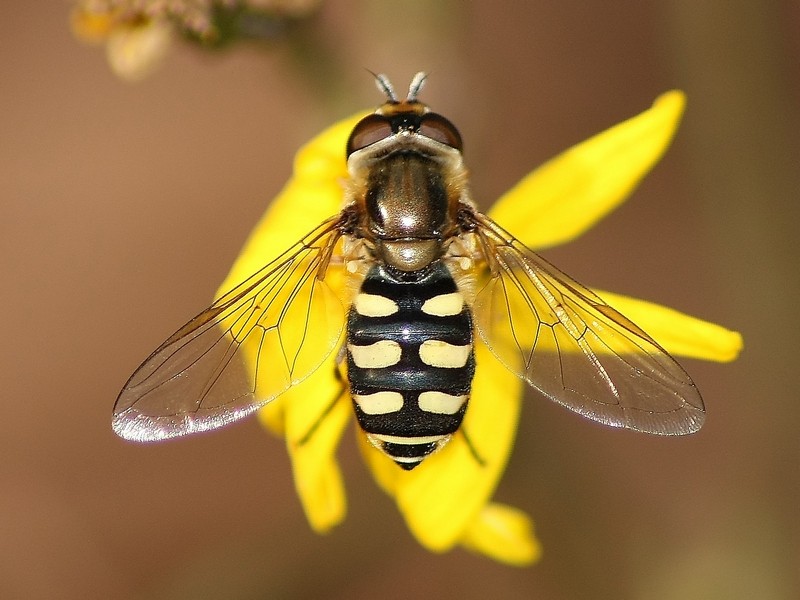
[
  {"x": 262, "y": 337},
  {"x": 563, "y": 340}
]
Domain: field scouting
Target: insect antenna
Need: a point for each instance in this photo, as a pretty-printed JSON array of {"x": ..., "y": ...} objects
[
  {"x": 385, "y": 86},
  {"x": 416, "y": 86}
]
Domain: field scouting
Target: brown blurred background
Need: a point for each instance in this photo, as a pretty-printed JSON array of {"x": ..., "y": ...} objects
[{"x": 123, "y": 206}]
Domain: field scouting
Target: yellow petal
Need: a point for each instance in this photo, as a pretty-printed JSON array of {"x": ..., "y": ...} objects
[
  {"x": 442, "y": 497},
  {"x": 313, "y": 422},
  {"x": 679, "y": 333},
  {"x": 505, "y": 534},
  {"x": 273, "y": 417},
  {"x": 570, "y": 193},
  {"x": 313, "y": 194},
  {"x": 385, "y": 472}
]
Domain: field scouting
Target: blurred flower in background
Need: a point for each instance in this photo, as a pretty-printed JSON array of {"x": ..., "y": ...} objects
[{"x": 138, "y": 33}]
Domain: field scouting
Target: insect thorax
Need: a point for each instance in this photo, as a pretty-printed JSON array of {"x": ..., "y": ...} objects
[{"x": 410, "y": 360}]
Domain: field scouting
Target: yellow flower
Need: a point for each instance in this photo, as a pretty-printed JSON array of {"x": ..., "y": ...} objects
[
  {"x": 138, "y": 33},
  {"x": 136, "y": 43},
  {"x": 446, "y": 500}
]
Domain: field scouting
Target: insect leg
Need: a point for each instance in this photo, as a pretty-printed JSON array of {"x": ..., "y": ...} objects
[
  {"x": 340, "y": 393},
  {"x": 472, "y": 450}
]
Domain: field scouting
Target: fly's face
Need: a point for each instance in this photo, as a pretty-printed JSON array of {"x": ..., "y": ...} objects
[{"x": 407, "y": 180}]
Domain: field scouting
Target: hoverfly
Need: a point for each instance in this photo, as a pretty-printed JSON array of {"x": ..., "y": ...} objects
[{"x": 428, "y": 275}]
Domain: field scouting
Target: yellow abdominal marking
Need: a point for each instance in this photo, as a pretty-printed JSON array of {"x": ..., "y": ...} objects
[
  {"x": 444, "y": 305},
  {"x": 408, "y": 441},
  {"x": 441, "y": 403},
  {"x": 436, "y": 353},
  {"x": 376, "y": 356},
  {"x": 371, "y": 305},
  {"x": 379, "y": 403}
]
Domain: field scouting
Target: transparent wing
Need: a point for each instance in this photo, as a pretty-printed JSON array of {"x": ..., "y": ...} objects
[
  {"x": 252, "y": 344},
  {"x": 563, "y": 340}
]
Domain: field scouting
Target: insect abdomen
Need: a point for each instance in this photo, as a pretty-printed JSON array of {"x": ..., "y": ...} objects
[{"x": 410, "y": 360}]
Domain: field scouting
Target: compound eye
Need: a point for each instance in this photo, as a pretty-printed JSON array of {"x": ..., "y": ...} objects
[
  {"x": 438, "y": 128},
  {"x": 368, "y": 131}
]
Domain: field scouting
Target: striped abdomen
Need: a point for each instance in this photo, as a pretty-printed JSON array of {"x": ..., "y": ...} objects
[{"x": 410, "y": 360}]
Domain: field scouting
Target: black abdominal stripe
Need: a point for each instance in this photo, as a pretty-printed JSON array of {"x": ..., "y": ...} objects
[{"x": 410, "y": 360}]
